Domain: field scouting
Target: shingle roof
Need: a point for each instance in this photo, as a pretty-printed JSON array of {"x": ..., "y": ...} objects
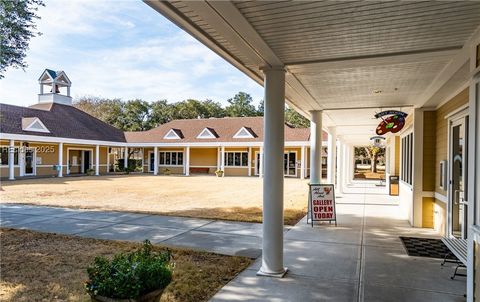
[
  {"x": 52, "y": 73},
  {"x": 61, "y": 120},
  {"x": 225, "y": 129}
]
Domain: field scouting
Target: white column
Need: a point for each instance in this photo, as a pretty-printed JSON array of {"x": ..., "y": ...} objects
[
  {"x": 97, "y": 160},
  {"x": 218, "y": 159},
  {"x": 125, "y": 158},
  {"x": 473, "y": 194},
  {"x": 274, "y": 141},
  {"x": 302, "y": 162},
  {"x": 21, "y": 159},
  {"x": 316, "y": 147},
  {"x": 339, "y": 179},
  {"x": 187, "y": 161},
  {"x": 222, "y": 160},
  {"x": 60, "y": 159},
  {"x": 155, "y": 160},
  {"x": 417, "y": 168},
  {"x": 11, "y": 160},
  {"x": 260, "y": 164},
  {"x": 249, "y": 161},
  {"x": 332, "y": 154}
]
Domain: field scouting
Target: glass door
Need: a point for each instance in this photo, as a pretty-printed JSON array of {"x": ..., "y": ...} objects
[
  {"x": 458, "y": 174},
  {"x": 290, "y": 164},
  {"x": 151, "y": 162},
  {"x": 257, "y": 163},
  {"x": 29, "y": 161}
]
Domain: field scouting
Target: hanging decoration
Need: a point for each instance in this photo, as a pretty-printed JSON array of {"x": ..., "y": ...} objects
[
  {"x": 377, "y": 140},
  {"x": 392, "y": 121}
]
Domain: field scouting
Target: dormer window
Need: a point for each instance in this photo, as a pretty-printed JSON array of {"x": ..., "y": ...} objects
[
  {"x": 207, "y": 133},
  {"x": 245, "y": 132},
  {"x": 174, "y": 134},
  {"x": 34, "y": 124}
]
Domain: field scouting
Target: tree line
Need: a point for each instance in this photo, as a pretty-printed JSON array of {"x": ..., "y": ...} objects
[{"x": 140, "y": 115}]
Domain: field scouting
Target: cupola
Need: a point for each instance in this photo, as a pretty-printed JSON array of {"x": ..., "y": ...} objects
[{"x": 54, "y": 87}]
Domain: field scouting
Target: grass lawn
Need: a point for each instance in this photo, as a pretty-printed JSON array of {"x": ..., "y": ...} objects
[
  {"x": 49, "y": 267},
  {"x": 229, "y": 198}
]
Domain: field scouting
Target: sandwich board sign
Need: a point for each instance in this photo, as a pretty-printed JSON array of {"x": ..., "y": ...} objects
[{"x": 322, "y": 203}]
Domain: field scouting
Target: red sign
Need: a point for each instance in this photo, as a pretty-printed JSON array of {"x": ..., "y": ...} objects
[
  {"x": 322, "y": 203},
  {"x": 394, "y": 121}
]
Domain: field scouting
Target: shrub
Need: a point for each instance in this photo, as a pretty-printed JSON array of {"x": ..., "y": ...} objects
[{"x": 129, "y": 275}]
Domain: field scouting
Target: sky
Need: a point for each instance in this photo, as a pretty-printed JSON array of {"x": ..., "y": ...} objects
[{"x": 122, "y": 49}]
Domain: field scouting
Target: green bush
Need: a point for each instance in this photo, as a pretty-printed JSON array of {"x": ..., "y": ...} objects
[{"x": 129, "y": 275}]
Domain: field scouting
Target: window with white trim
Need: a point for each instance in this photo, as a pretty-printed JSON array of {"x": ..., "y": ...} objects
[
  {"x": 236, "y": 159},
  {"x": 4, "y": 155},
  {"x": 170, "y": 158},
  {"x": 407, "y": 159}
]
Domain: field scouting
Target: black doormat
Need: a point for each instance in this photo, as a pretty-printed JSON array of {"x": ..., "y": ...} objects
[{"x": 426, "y": 247}]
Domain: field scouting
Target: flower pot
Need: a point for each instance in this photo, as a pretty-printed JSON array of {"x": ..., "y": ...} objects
[
  {"x": 149, "y": 297},
  {"x": 219, "y": 174}
]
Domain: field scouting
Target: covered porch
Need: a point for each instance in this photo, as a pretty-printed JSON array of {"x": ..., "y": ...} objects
[{"x": 340, "y": 64}]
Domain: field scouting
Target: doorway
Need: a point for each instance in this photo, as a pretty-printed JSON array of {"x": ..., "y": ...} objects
[
  {"x": 86, "y": 161},
  {"x": 30, "y": 162},
  {"x": 458, "y": 157},
  {"x": 290, "y": 164}
]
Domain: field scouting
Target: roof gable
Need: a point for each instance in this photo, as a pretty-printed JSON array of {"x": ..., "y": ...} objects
[
  {"x": 173, "y": 134},
  {"x": 245, "y": 132},
  {"x": 207, "y": 133},
  {"x": 34, "y": 124}
]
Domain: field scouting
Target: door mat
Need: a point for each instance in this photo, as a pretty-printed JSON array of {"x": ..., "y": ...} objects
[{"x": 426, "y": 247}]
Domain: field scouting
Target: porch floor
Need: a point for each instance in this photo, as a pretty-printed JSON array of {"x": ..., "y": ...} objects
[{"x": 362, "y": 259}]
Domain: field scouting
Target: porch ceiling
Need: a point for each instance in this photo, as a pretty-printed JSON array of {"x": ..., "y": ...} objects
[{"x": 337, "y": 54}]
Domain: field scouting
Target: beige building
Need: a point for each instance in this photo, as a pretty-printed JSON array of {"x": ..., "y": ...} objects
[{"x": 53, "y": 138}]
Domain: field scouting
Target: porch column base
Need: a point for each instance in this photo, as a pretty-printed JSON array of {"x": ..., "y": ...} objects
[{"x": 273, "y": 274}]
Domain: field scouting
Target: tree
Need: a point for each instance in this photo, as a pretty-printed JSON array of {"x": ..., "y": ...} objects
[
  {"x": 136, "y": 115},
  {"x": 108, "y": 110},
  {"x": 261, "y": 108},
  {"x": 296, "y": 119},
  {"x": 374, "y": 152},
  {"x": 160, "y": 113},
  {"x": 17, "y": 27},
  {"x": 241, "y": 105},
  {"x": 213, "y": 109},
  {"x": 188, "y": 109}
]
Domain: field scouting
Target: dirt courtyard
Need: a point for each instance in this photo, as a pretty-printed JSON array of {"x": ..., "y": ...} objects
[{"x": 229, "y": 198}]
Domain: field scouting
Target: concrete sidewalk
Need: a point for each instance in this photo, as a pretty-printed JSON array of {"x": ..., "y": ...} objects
[
  {"x": 362, "y": 259},
  {"x": 223, "y": 237}
]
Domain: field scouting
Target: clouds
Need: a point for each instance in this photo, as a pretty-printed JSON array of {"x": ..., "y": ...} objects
[{"x": 122, "y": 49}]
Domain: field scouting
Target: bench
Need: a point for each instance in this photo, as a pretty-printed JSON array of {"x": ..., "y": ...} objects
[
  {"x": 199, "y": 170},
  {"x": 458, "y": 248}
]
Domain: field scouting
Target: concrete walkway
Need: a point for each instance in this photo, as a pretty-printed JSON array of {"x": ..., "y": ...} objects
[
  {"x": 223, "y": 237},
  {"x": 362, "y": 259}
]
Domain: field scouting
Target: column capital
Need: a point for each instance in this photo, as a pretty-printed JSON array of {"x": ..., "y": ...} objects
[{"x": 269, "y": 68}]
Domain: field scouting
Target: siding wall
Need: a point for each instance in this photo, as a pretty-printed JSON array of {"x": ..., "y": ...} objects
[
  {"x": 429, "y": 149},
  {"x": 441, "y": 153},
  {"x": 47, "y": 156}
]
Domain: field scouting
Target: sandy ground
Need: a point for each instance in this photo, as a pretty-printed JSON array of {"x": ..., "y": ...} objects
[{"x": 232, "y": 198}]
